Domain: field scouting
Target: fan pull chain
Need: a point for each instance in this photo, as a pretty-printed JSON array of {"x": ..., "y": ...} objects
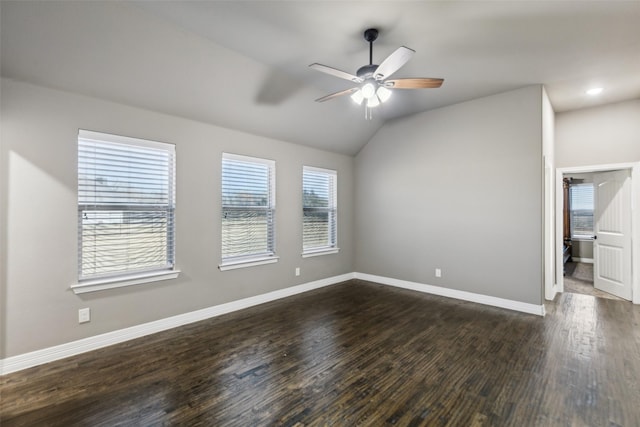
[{"x": 368, "y": 113}]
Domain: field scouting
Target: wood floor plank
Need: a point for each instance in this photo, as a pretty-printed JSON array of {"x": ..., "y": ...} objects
[{"x": 355, "y": 354}]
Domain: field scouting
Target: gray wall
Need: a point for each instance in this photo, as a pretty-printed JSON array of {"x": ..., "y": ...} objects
[
  {"x": 582, "y": 249},
  {"x": 38, "y": 197},
  {"x": 461, "y": 189},
  {"x": 599, "y": 135},
  {"x": 458, "y": 188}
]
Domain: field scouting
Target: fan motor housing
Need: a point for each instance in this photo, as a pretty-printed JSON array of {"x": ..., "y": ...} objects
[{"x": 366, "y": 72}]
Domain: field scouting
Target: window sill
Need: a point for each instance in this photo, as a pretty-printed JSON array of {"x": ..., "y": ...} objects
[
  {"x": 122, "y": 281},
  {"x": 232, "y": 265},
  {"x": 319, "y": 252}
]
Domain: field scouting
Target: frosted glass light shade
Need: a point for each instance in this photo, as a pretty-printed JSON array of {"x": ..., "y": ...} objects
[
  {"x": 383, "y": 93},
  {"x": 373, "y": 102},
  {"x": 368, "y": 90},
  {"x": 357, "y": 97}
]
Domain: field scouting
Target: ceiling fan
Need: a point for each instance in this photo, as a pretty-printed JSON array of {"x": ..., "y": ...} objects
[{"x": 374, "y": 86}]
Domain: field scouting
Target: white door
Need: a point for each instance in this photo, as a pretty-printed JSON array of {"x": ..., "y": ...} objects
[{"x": 612, "y": 227}]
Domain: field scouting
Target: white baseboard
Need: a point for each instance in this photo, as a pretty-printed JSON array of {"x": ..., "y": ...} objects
[
  {"x": 453, "y": 293},
  {"x": 584, "y": 260},
  {"x": 46, "y": 355}
]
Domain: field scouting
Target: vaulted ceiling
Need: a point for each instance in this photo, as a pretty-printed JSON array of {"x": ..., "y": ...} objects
[{"x": 244, "y": 64}]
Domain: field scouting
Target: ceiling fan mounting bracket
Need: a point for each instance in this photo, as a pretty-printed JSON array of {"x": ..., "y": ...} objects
[{"x": 371, "y": 35}]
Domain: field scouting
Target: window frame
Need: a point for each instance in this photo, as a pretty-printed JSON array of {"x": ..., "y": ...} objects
[
  {"x": 332, "y": 211},
  {"x": 250, "y": 260},
  {"x": 132, "y": 276},
  {"x": 587, "y": 236}
]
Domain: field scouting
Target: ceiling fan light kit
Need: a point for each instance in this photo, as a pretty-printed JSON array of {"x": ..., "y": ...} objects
[{"x": 374, "y": 86}]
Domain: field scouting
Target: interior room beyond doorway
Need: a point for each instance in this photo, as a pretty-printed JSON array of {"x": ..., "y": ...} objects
[{"x": 596, "y": 203}]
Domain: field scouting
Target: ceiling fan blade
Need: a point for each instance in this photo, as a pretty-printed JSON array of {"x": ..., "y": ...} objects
[
  {"x": 393, "y": 62},
  {"x": 416, "y": 83},
  {"x": 335, "y": 72},
  {"x": 337, "y": 94}
]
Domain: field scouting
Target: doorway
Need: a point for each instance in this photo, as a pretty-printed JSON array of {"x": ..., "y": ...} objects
[
  {"x": 597, "y": 231},
  {"x": 578, "y": 235}
]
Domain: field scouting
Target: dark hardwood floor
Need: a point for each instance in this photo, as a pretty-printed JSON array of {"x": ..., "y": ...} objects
[{"x": 353, "y": 354}]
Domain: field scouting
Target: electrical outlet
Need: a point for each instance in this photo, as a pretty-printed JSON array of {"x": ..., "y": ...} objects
[
  {"x": 84, "y": 315},
  {"x": 438, "y": 272},
  {"x": 297, "y": 271}
]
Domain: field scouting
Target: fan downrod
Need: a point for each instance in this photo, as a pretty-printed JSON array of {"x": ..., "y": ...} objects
[{"x": 366, "y": 72}]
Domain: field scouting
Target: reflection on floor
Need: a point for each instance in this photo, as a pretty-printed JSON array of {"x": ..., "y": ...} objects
[{"x": 578, "y": 279}]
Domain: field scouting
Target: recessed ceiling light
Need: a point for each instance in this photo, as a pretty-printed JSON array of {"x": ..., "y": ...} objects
[{"x": 594, "y": 91}]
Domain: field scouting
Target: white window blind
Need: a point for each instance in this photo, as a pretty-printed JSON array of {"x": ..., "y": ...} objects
[
  {"x": 581, "y": 210},
  {"x": 319, "y": 206},
  {"x": 126, "y": 205},
  {"x": 248, "y": 208}
]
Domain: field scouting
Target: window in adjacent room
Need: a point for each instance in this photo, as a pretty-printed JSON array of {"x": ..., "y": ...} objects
[
  {"x": 319, "y": 210},
  {"x": 126, "y": 210},
  {"x": 581, "y": 210},
  {"x": 248, "y": 211}
]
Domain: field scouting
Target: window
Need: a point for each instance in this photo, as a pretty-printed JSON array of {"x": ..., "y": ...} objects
[
  {"x": 581, "y": 210},
  {"x": 126, "y": 207},
  {"x": 248, "y": 211},
  {"x": 319, "y": 211}
]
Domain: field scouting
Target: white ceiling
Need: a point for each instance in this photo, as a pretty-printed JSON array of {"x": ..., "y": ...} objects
[{"x": 244, "y": 64}]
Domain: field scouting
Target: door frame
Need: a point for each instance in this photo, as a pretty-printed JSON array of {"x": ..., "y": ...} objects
[{"x": 634, "y": 169}]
